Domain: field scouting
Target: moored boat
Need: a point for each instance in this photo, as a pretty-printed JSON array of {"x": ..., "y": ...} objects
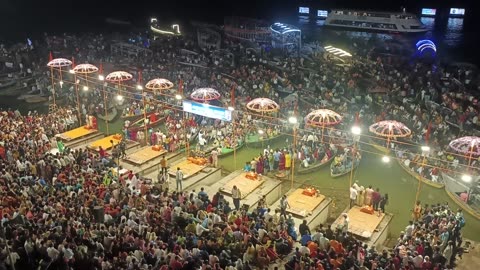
[
  {"x": 153, "y": 119},
  {"x": 317, "y": 165},
  {"x": 339, "y": 170},
  {"x": 257, "y": 141},
  {"x": 418, "y": 176}
]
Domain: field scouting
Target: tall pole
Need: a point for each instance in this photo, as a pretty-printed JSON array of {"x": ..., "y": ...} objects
[
  {"x": 293, "y": 154},
  {"x": 353, "y": 162},
  {"x": 145, "y": 117},
  {"x": 234, "y": 138},
  {"x": 53, "y": 89},
  {"x": 105, "y": 106},
  {"x": 419, "y": 187},
  {"x": 78, "y": 100}
]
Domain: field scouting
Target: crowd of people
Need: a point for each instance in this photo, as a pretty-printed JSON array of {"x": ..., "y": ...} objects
[{"x": 50, "y": 201}]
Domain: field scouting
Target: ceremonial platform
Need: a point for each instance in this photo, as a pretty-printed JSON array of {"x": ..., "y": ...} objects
[
  {"x": 193, "y": 174},
  {"x": 108, "y": 142},
  {"x": 307, "y": 204},
  {"x": 251, "y": 188},
  {"x": 140, "y": 162},
  {"x": 372, "y": 229},
  {"x": 78, "y": 136},
  {"x": 144, "y": 155}
]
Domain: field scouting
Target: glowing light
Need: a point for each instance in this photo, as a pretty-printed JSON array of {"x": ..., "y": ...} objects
[
  {"x": 85, "y": 88},
  {"x": 119, "y": 97},
  {"x": 425, "y": 148},
  {"x": 425, "y": 44},
  {"x": 337, "y": 51},
  {"x": 61, "y": 83},
  {"x": 101, "y": 77},
  {"x": 386, "y": 159},
  {"x": 77, "y": 81},
  {"x": 139, "y": 87},
  {"x": 230, "y": 108},
  {"x": 178, "y": 97},
  {"x": 356, "y": 130},
  {"x": 71, "y": 71},
  {"x": 260, "y": 132},
  {"x": 292, "y": 120},
  {"x": 466, "y": 178}
]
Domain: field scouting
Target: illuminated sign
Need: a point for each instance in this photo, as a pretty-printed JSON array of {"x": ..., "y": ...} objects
[
  {"x": 429, "y": 11},
  {"x": 322, "y": 13},
  {"x": 457, "y": 11},
  {"x": 207, "y": 110},
  {"x": 304, "y": 10}
]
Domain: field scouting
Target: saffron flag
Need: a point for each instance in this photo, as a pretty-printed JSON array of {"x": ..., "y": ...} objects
[
  {"x": 140, "y": 76},
  {"x": 50, "y": 57},
  {"x": 73, "y": 62},
  {"x": 180, "y": 87}
]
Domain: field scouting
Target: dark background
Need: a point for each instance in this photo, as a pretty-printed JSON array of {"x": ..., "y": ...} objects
[{"x": 25, "y": 18}]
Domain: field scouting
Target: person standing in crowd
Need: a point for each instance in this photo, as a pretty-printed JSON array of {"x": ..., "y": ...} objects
[
  {"x": 383, "y": 202},
  {"x": 284, "y": 205},
  {"x": 179, "y": 179},
  {"x": 163, "y": 165},
  {"x": 236, "y": 196},
  {"x": 376, "y": 198},
  {"x": 304, "y": 229},
  {"x": 353, "y": 196},
  {"x": 214, "y": 158}
]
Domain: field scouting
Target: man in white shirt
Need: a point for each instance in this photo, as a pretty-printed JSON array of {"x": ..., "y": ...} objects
[
  {"x": 353, "y": 196},
  {"x": 236, "y": 196}
]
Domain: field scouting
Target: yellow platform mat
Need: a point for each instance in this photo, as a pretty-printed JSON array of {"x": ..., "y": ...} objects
[
  {"x": 361, "y": 224},
  {"x": 245, "y": 185},
  {"x": 76, "y": 133},
  {"x": 301, "y": 204},
  {"x": 143, "y": 155},
  {"x": 104, "y": 143},
  {"x": 188, "y": 168}
]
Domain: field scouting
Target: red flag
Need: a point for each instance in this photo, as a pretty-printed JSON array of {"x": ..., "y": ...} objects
[
  {"x": 100, "y": 70},
  {"x": 180, "y": 87},
  {"x": 73, "y": 62},
  {"x": 50, "y": 57},
  {"x": 357, "y": 118},
  {"x": 232, "y": 95},
  {"x": 427, "y": 135},
  {"x": 140, "y": 76}
]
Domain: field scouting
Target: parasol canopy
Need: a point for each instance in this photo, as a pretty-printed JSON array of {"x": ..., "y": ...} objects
[
  {"x": 159, "y": 84},
  {"x": 119, "y": 76},
  {"x": 390, "y": 128},
  {"x": 468, "y": 145},
  {"x": 323, "y": 117},
  {"x": 59, "y": 62},
  {"x": 263, "y": 105},
  {"x": 85, "y": 69},
  {"x": 204, "y": 94}
]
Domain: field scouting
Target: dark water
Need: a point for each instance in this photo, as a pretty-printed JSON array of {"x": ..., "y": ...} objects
[{"x": 456, "y": 38}]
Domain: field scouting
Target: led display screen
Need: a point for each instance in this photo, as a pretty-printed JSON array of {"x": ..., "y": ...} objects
[
  {"x": 457, "y": 11},
  {"x": 322, "y": 13},
  {"x": 304, "y": 10},
  {"x": 429, "y": 11}
]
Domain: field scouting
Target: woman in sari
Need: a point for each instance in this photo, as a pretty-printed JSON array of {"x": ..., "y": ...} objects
[
  {"x": 260, "y": 164},
  {"x": 281, "y": 163}
]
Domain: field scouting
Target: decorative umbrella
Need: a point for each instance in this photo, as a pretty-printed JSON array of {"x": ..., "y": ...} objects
[
  {"x": 205, "y": 94},
  {"x": 85, "y": 69},
  {"x": 468, "y": 146},
  {"x": 263, "y": 105},
  {"x": 390, "y": 129},
  {"x": 57, "y": 63},
  {"x": 159, "y": 84},
  {"x": 322, "y": 118},
  {"x": 119, "y": 77}
]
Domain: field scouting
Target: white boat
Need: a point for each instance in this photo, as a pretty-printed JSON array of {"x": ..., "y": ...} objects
[{"x": 375, "y": 21}]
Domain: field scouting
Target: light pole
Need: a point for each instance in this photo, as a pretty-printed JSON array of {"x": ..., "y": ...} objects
[
  {"x": 179, "y": 97},
  {"x": 467, "y": 179},
  {"x": 356, "y": 131},
  {"x": 139, "y": 87},
  {"x": 425, "y": 151},
  {"x": 232, "y": 109},
  {"x": 78, "y": 96},
  {"x": 293, "y": 120},
  {"x": 101, "y": 78}
]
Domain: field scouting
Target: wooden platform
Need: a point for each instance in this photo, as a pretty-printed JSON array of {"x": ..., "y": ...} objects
[
  {"x": 268, "y": 187},
  {"x": 361, "y": 224},
  {"x": 104, "y": 143},
  {"x": 303, "y": 205},
  {"x": 76, "y": 133},
  {"x": 188, "y": 168},
  {"x": 245, "y": 185},
  {"x": 144, "y": 155}
]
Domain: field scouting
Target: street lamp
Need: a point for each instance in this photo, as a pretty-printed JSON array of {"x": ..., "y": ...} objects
[
  {"x": 293, "y": 120},
  {"x": 386, "y": 159},
  {"x": 119, "y": 97},
  {"x": 71, "y": 71},
  {"x": 85, "y": 88},
  {"x": 178, "y": 97},
  {"x": 425, "y": 151},
  {"x": 101, "y": 77},
  {"x": 139, "y": 87},
  {"x": 260, "y": 131},
  {"x": 230, "y": 108},
  {"x": 356, "y": 131}
]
